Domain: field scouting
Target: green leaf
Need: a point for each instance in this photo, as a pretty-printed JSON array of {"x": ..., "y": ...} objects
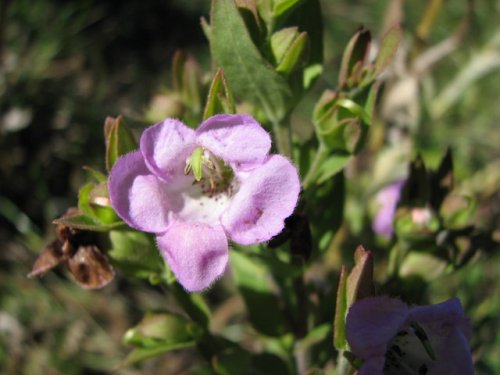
[
  {"x": 249, "y": 74},
  {"x": 296, "y": 55},
  {"x": 353, "y": 287},
  {"x": 355, "y": 53},
  {"x": 135, "y": 253},
  {"x": 193, "y": 304},
  {"x": 281, "y": 42},
  {"x": 220, "y": 98},
  {"x": 158, "y": 333},
  {"x": 360, "y": 279},
  {"x": 415, "y": 224},
  {"x": 340, "y": 123},
  {"x": 315, "y": 336},
  {"x": 119, "y": 140},
  {"x": 426, "y": 266},
  {"x": 280, "y": 7},
  {"x": 93, "y": 201},
  {"x": 339, "y": 340},
  {"x": 79, "y": 220},
  {"x": 370, "y": 102},
  {"x": 138, "y": 355},
  {"x": 231, "y": 361},
  {"x": 324, "y": 223},
  {"x": 355, "y": 109},
  {"x": 253, "y": 281},
  {"x": 161, "y": 328},
  {"x": 307, "y": 17},
  {"x": 331, "y": 166},
  {"x": 98, "y": 176},
  {"x": 457, "y": 210},
  {"x": 388, "y": 47}
]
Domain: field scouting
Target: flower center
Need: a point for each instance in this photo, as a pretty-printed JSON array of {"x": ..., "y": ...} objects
[
  {"x": 409, "y": 352},
  {"x": 212, "y": 174},
  {"x": 206, "y": 189}
]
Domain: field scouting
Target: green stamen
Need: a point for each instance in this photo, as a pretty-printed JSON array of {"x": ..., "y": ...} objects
[{"x": 195, "y": 163}]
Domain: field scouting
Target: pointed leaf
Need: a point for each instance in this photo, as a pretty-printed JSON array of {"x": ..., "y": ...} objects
[
  {"x": 331, "y": 166},
  {"x": 79, "y": 220},
  {"x": 159, "y": 333},
  {"x": 98, "y": 176},
  {"x": 141, "y": 354},
  {"x": 356, "y": 52},
  {"x": 415, "y": 192},
  {"x": 360, "y": 280},
  {"x": 388, "y": 48},
  {"x": 281, "y": 42},
  {"x": 220, "y": 98},
  {"x": 280, "y": 7},
  {"x": 307, "y": 16},
  {"x": 251, "y": 77},
  {"x": 296, "y": 55},
  {"x": 119, "y": 140},
  {"x": 339, "y": 340},
  {"x": 160, "y": 328},
  {"x": 371, "y": 101}
]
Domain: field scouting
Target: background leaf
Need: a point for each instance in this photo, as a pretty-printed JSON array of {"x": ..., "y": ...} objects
[{"x": 257, "y": 290}]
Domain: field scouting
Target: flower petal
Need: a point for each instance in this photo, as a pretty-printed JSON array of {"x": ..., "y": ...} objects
[
  {"x": 373, "y": 366},
  {"x": 196, "y": 253},
  {"x": 449, "y": 332},
  {"x": 454, "y": 356},
  {"x": 237, "y": 139},
  {"x": 388, "y": 198},
  {"x": 166, "y": 146},
  {"x": 137, "y": 196},
  {"x": 444, "y": 314},
  {"x": 266, "y": 197},
  {"x": 372, "y": 322}
]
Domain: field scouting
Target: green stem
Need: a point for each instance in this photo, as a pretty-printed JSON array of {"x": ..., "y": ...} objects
[
  {"x": 343, "y": 366},
  {"x": 191, "y": 308},
  {"x": 312, "y": 173},
  {"x": 283, "y": 137}
]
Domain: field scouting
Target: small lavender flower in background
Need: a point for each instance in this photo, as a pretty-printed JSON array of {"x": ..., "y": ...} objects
[
  {"x": 394, "y": 338},
  {"x": 388, "y": 199},
  {"x": 198, "y": 189}
]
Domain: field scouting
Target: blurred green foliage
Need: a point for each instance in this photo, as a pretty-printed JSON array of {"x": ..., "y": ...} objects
[{"x": 65, "y": 66}]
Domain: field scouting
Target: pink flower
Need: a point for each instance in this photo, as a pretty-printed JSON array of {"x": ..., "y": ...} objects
[
  {"x": 198, "y": 189},
  {"x": 388, "y": 199},
  {"x": 393, "y": 338}
]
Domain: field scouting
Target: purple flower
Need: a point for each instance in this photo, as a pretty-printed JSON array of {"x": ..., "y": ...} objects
[
  {"x": 388, "y": 199},
  {"x": 394, "y": 338},
  {"x": 198, "y": 189}
]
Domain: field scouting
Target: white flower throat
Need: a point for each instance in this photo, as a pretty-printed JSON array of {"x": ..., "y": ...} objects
[
  {"x": 409, "y": 352},
  {"x": 206, "y": 190}
]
